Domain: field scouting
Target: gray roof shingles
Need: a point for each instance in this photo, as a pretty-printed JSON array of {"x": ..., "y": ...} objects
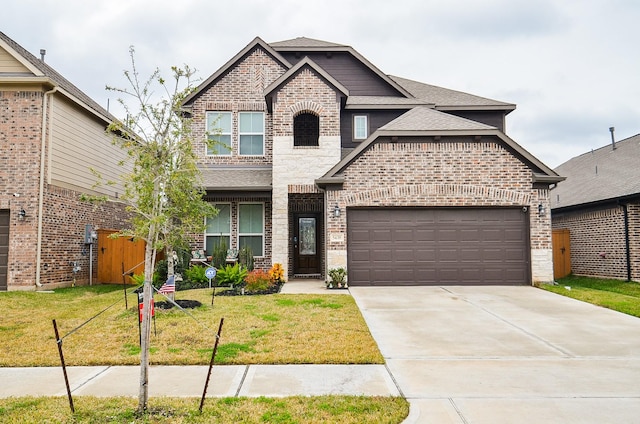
[
  {"x": 600, "y": 175},
  {"x": 240, "y": 178},
  {"x": 423, "y": 118}
]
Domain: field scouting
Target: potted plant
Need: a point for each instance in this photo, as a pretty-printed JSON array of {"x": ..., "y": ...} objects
[{"x": 337, "y": 278}]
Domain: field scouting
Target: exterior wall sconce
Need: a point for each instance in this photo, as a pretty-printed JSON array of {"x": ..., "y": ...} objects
[
  {"x": 22, "y": 214},
  {"x": 540, "y": 209},
  {"x": 336, "y": 211}
]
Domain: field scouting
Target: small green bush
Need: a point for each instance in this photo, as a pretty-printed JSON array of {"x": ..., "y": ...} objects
[
  {"x": 245, "y": 257},
  {"x": 231, "y": 275},
  {"x": 193, "y": 278}
]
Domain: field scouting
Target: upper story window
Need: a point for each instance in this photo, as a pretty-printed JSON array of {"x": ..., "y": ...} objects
[
  {"x": 360, "y": 127},
  {"x": 219, "y": 132},
  {"x": 251, "y": 133},
  {"x": 306, "y": 129}
]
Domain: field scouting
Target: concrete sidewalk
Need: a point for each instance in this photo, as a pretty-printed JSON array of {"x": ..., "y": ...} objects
[{"x": 188, "y": 381}]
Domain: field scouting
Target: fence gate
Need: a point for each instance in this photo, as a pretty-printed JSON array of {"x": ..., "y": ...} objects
[
  {"x": 561, "y": 253},
  {"x": 114, "y": 252}
]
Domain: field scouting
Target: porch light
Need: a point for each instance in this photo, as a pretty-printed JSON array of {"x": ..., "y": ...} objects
[
  {"x": 22, "y": 214},
  {"x": 540, "y": 209},
  {"x": 336, "y": 211}
]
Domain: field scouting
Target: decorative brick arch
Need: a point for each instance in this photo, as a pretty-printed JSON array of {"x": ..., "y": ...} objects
[
  {"x": 306, "y": 106},
  {"x": 438, "y": 195}
]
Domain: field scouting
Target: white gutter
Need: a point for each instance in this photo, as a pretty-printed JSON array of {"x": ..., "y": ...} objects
[{"x": 43, "y": 146}]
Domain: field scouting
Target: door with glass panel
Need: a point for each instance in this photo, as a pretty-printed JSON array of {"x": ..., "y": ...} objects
[{"x": 306, "y": 247}]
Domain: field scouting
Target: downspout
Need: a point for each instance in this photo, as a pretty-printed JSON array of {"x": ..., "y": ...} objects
[
  {"x": 625, "y": 212},
  {"x": 43, "y": 145}
]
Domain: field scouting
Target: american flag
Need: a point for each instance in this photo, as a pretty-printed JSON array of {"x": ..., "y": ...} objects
[{"x": 169, "y": 286}]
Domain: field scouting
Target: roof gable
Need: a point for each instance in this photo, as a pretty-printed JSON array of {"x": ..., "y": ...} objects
[
  {"x": 303, "y": 45},
  {"x": 423, "y": 121},
  {"x": 287, "y": 76},
  {"x": 254, "y": 44},
  {"x": 600, "y": 175}
]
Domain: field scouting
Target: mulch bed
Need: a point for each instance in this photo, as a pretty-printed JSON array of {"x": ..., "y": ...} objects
[
  {"x": 238, "y": 291},
  {"x": 185, "y": 304}
]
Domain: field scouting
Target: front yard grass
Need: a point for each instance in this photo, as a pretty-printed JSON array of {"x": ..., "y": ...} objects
[
  {"x": 290, "y": 410},
  {"x": 621, "y": 296},
  {"x": 267, "y": 329}
]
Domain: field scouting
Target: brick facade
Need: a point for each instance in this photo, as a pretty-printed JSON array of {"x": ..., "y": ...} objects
[
  {"x": 239, "y": 90},
  {"x": 63, "y": 215},
  {"x": 457, "y": 172},
  {"x": 598, "y": 245}
]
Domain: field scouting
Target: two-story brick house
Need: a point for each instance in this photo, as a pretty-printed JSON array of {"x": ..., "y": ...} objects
[
  {"x": 328, "y": 162},
  {"x": 51, "y": 135}
]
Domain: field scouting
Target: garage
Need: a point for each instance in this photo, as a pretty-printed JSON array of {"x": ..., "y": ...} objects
[{"x": 437, "y": 246}]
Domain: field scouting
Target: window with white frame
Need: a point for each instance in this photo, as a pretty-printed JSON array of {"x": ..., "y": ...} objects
[
  {"x": 251, "y": 227},
  {"x": 219, "y": 133},
  {"x": 360, "y": 127},
  {"x": 251, "y": 133},
  {"x": 218, "y": 228}
]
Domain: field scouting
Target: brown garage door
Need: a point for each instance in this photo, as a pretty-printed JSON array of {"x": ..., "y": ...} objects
[
  {"x": 4, "y": 248},
  {"x": 433, "y": 246}
]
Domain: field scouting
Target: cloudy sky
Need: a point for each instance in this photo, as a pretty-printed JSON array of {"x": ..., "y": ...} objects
[{"x": 571, "y": 66}]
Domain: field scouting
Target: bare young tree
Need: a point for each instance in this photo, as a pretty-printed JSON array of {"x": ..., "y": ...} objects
[{"x": 163, "y": 191}]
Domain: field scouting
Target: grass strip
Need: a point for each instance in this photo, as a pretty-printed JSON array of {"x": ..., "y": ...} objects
[
  {"x": 621, "y": 296},
  {"x": 289, "y": 410}
]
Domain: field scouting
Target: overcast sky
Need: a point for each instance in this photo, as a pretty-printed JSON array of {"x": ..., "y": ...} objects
[{"x": 572, "y": 67}]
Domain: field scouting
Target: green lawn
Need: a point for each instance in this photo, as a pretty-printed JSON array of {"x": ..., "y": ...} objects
[
  {"x": 618, "y": 295},
  {"x": 290, "y": 410},
  {"x": 270, "y": 329}
]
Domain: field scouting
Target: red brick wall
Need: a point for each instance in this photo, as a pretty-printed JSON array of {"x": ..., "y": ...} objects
[
  {"x": 455, "y": 172},
  {"x": 240, "y": 90},
  {"x": 64, "y": 223},
  {"x": 20, "y": 139},
  {"x": 598, "y": 245},
  {"x": 64, "y": 216}
]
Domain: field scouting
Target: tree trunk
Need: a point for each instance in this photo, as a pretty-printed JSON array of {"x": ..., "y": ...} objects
[{"x": 145, "y": 337}]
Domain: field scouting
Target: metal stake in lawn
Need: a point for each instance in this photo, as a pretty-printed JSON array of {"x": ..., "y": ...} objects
[
  {"x": 213, "y": 355},
  {"x": 64, "y": 367}
]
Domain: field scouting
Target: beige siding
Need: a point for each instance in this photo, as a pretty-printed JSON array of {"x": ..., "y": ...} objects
[
  {"x": 79, "y": 144},
  {"x": 8, "y": 64}
]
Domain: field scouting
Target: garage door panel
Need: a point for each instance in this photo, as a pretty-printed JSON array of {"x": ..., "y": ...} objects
[
  {"x": 380, "y": 235},
  {"x": 402, "y": 246}
]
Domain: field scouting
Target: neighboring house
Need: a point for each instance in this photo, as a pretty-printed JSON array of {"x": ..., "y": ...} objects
[
  {"x": 328, "y": 162},
  {"x": 599, "y": 203},
  {"x": 51, "y": 134}
]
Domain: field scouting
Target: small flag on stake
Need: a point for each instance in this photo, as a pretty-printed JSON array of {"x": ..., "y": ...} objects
[{"x": 169, "y": 286}]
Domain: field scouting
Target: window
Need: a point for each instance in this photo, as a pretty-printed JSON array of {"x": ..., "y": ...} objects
[
  {"x": 251, "y": 227},
  {"x": 306, "y": 130},
  {"x": 219, "y": 132},
  {"x": 251, "y": 133},
  {"x": 360, "y": 127},
  {"x": 218, "y": 228}
]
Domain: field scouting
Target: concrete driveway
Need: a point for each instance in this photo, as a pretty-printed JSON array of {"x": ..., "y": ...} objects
[{"x": 505, "y": 355}]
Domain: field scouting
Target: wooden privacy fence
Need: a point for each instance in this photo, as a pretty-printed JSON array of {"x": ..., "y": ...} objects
[
  {"x": 113, "y": 253},
  {"x": 561, "y": 253}
]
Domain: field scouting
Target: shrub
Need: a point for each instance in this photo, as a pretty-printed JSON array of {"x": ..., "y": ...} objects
[
  {"x": 219, "y": 255},
  {"x": 257, "y": 280},
  {"x": 245, "y": 257},
  {"x": 338, "y": 277},
  {"x": 194, "y": 277},
  {"x": 231, "y": 275},
  {"x": 276, "y": 273}
]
